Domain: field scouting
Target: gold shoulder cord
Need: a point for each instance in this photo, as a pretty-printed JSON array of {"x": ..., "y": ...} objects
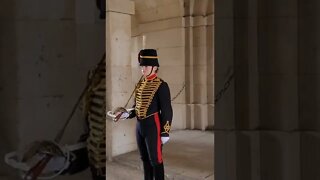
[{"x": 144, "y": 95}]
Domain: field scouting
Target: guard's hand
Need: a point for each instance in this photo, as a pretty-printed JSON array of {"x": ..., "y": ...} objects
[
  {"x": 119, "y": 109},
  {"x": 121, "y": 115},
  {"x": 164, "y": 139},
  {"x": 115, "y": 116}
]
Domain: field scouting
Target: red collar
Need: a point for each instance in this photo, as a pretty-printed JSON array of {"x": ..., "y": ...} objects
[{"x": 151, "y": 77}]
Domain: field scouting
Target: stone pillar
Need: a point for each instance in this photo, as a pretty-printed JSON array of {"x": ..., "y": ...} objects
[
  {"x": 309, "y": 85},
  {"x": 224, "y": 63},
  {"x": 210, "y": 69},
  {"x": 120, "y": 136},
  {"x": 199, "y": 66},
  {"x": 277, "y": 63},
  {"x": 260, "y": 120}
]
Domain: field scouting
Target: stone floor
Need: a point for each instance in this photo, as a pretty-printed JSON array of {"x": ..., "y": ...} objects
[{"x": 187, "y": 156}]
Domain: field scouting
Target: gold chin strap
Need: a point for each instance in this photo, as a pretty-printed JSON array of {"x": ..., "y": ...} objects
[{"x": 149, "y": 57}]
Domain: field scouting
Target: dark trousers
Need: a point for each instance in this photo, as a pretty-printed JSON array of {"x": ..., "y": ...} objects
[
  {"x": 150, "y": 147},
  {"x": 153, "y": 172}
]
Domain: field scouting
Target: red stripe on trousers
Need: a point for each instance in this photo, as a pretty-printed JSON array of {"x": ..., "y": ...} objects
[{"x": 157, "y": 120}]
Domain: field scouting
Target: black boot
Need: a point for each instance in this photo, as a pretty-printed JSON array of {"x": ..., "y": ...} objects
[
  {"x": 159, "y": 172},
  {"x": 148, "y": 170}
]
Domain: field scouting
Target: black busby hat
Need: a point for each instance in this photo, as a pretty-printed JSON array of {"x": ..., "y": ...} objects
[{"x": 148, "y": 57}]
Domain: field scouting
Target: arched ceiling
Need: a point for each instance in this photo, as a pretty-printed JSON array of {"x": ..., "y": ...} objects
[{"x": 153, "y": 10}]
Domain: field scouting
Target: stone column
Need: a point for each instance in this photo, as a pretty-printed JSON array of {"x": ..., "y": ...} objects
[
  {"x": 196, "y": 49},
  {"x": 309, "y": 85},
  {"x": 257, "y": 133},
  {"x": 277, "y": 62},
  {"x": 210, "y": 69},
  {"x": 224, "y": 63},
  {"x": 199, "y": 66},
  {"x": 120, "y": 136}
]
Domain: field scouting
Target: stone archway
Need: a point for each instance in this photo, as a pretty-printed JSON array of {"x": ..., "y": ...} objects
[{"x": 182, "y": 33}]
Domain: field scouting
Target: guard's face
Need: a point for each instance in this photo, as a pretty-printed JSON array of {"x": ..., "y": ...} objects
[{"x": 146, "y": 70}]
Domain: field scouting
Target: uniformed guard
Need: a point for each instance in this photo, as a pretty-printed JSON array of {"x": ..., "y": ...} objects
[{"x": 153, "y": 111}]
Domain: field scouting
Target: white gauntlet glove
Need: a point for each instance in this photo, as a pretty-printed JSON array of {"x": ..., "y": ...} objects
[
  {"x": 164, "y": 139},
  {"x": 124, "y": 114}
]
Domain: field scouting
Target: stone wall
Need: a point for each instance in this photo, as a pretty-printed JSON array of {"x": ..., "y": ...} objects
[
  {"x": 47, "y": 49},
  {"x": 266, "y": 124}
]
